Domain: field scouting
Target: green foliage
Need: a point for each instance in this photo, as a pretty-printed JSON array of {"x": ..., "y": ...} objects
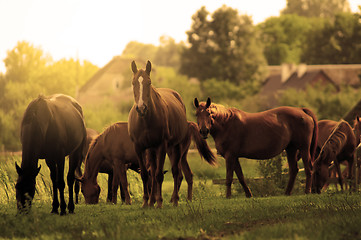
[
  {"x": 136, "y": 49},
  {"x": 225, "y": 47},
  {"x": 284, "y": 37},
  {"x": 29, "y": 73},
  {"x": 316, "y": 8},
  {"x": 325, "y": 101},
  {"x": 336, "y": 42}
]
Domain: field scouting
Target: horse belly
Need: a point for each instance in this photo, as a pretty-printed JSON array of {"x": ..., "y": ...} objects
[{"x": 263, "y": 148}]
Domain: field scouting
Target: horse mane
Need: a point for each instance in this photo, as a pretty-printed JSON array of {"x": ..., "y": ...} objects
[
  {"x": 334, "y": 141},
  {"x": 39, "y": 113},
  {"x": 221, "y": 113}
]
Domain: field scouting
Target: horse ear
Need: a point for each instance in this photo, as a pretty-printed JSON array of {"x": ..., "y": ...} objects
[
  {"x": 208, "y": 102},
  {"x": 18, "y": 169},
  {"x": 134, "y": 67},
  {"x": 148, "y": 68},
  {"x": 196, "y": 103},
  {"x": 358, "y": 118}
]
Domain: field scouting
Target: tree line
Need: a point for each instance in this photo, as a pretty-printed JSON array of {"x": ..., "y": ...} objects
[{"x": 225, "y": 52}]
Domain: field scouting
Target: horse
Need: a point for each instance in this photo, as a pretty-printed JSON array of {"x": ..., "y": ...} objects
[
  {"x": 52, "y": 128},
  {"x": 91, "y": 134},
  {"x": 114, "y": 147},
  {"x": 157, "y": 123},
  {"x": 337, "y": 143},
  {"x": 105, "y": 167},
  {"x": 261, "y": 135}
]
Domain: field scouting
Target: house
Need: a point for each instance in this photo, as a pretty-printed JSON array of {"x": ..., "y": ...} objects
[
  {"x": 291, "y": 76},
  {"x": 110, "y": 83}
]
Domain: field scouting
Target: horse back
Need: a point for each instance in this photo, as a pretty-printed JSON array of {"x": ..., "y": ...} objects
[
  {"x": 340, "y": 136},
  {"x": 118, "y": 145},
  {"x": 56, "y": 123},
  {"x": 176, "y": 114}
]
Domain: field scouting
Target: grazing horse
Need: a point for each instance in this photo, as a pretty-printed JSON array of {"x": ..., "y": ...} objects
[
  {"x": 338, "y": 143},
  {"x": 260, "y": 135},
  {"x": 91, "y": 134},
  {"x": 157, "y": 123},
  {"x": 52, "y": 128},
  {"x": 114, "y": 148}
]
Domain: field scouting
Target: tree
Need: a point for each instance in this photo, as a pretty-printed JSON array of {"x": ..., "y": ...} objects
[
  {"x": 284, "y": 38},
  {"x": 336, "y": 42},
  {"x": 136, "y": 49},
  {"x": 30, "y": 73},
  {"x": 168, "y": 53},
  {"x": 316, "y": 8},
  {"x": 225, "y": 46}
]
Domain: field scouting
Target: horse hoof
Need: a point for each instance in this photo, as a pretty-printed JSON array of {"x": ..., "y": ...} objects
[
  {"x": 54, "y": 212},
  {"x": 63, "y": 213}
]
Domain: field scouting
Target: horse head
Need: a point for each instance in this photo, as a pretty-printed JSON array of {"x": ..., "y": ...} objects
[
  {"x": 357, "y": 129},
  {"x": 320, "y": 173},
  {"x": 141, "y": 85},
  {"x": 90, "y": 191},
  {"x": 204, "y": 117},
  {"x": 25, "y": 188}
]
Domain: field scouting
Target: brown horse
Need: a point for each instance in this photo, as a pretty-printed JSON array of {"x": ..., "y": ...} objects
[
  {"x": 113, "y": 147},
  {"x": 260, "y": 135},
  {"x": 52, "y": 128},
  {"x": 91, "y": 134},
  {"x": 338, "y": 143},
  {"x": 157, "y": 122}
]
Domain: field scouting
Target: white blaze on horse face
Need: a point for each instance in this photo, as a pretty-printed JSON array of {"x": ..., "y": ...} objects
[{"x": 140, "y": 99}]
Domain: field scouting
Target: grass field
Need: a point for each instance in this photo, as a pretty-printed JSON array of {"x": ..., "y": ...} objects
[{"x": 331, "y": 215}]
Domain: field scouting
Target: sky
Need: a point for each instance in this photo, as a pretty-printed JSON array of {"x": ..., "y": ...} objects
[{"x": 99, "y": 30}]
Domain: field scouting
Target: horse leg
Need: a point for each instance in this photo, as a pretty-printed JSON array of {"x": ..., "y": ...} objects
[
  {"x": 229, "y": 174},
  {"x": 61, "y": 184},
  {"x": 350, "y": 170},
  {"x": 175, "y": 156},
  {"x": 115, "y": 182},
  {"x": 338, "y": 170},
  {"x": 110, "y": 186},
  {"x": 187, "y": 174},
  {"x": 124, "y": 183},
  {"x": 141, "y": 153},
  {"x": 239, "y": 173},
  {"x": 78, "y": 174},
  {"x": 293, "y": 168},
  {"x": 52, "y": 166},
  {"x": 152, "y": 186},
  {"x": 74, "y": 160},
  {"x": 306, "y": 157}
]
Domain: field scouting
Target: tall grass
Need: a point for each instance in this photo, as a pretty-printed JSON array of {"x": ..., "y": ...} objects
[{"x": 331, "y": 215}]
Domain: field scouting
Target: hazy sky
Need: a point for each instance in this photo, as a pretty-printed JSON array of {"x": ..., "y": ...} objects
[{"x": 98, "y": 30}]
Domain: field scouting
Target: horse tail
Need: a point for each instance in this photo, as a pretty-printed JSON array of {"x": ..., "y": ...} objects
[
  {"x": 314, "y": 135},
  {"x": 201, "y": 144}
]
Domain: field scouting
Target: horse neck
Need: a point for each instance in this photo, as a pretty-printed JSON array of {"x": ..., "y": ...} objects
[
  {"x": 221, "y": 120},
  {"x": 155, "y": 107},
  {"x": 93, "y": 161}
]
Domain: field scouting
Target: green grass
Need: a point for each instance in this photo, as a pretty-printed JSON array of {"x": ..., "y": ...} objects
[{"x": 331, "y": 215}]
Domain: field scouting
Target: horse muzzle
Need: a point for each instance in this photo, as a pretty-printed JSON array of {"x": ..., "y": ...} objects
[
  {"x": 204, "y": 132},
  {"x": 141, "y": 110}
]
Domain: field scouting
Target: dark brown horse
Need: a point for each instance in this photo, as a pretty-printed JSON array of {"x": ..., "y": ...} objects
[
  {"x": 260, "y": 135},
  {"x": 52, "y": 128},
  {"x": 157, "y": 122},
  {"x": 337, "y": 143}
]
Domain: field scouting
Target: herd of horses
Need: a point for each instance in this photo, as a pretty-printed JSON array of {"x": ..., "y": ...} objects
[{"x": 53, "y": 128}]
